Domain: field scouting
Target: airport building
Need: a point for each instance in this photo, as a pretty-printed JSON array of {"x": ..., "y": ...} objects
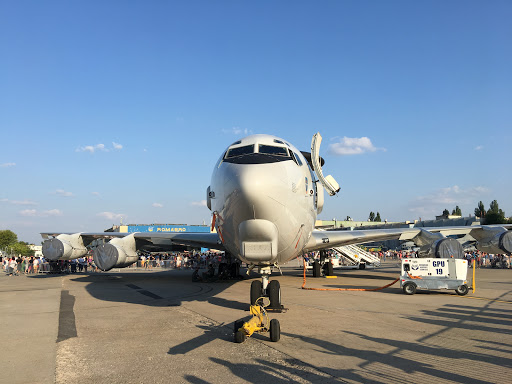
[
  {"x": 159, "y": 228},
  {"x": 165, "y": 228}
]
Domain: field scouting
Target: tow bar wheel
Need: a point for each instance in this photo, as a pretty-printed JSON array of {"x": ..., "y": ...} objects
[
  {"x": 275, "y": 330},
  {"x": 239, "y": 336}
]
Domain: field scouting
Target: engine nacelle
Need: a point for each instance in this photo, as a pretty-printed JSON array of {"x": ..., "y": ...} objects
[
  {"x": 64, "y": 247},
  {"x": 117, "y": 253},
  {"x": 499, "y": 243},
  {"x": 442, "y": 249},
  {"x": 435, "y": 245}
]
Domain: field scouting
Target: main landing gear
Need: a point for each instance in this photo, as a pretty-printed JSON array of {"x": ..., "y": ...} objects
[
  {"x": 266, "y": 288},
  {"x": 324, "y": 265}
]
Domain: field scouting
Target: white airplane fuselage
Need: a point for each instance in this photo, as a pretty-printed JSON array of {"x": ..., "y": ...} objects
[{"x": 264, "y": 203}]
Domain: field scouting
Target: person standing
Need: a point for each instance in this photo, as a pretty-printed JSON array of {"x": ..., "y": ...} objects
[
  {"x": 36, "y": 265},
  {"x": 19, "y": 260},
  {"x": 12, "y": 266}
]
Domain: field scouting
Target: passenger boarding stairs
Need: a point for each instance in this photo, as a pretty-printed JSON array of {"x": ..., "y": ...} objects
[{"x": 356, "y": 255}]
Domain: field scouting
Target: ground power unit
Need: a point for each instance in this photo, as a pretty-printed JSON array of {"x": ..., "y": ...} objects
[{"x": 434, "y": 274}]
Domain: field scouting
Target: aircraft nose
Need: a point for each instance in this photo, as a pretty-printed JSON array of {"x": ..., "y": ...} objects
[{"x": 261, "y": 187}]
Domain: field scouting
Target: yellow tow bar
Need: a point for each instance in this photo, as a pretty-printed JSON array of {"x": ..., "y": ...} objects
[{"x": 259, "y": 322}]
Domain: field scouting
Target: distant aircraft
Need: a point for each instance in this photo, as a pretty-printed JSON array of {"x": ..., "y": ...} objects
[{"x": 265, "y": 196}]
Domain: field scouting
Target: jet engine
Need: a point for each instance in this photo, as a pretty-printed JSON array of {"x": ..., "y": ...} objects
[
  {"x": 64, "y": 247},
  {"x": 496, "y": 240},
  {"x": 442, "y": 249},
  {"x": 435, "y": 245},
  {"x": 117, "y": 253}
]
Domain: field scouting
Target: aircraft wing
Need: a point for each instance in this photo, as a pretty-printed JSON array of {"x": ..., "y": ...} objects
[
  {"x": 67, "y": 246},
  {"x": 497, "y": 236}
]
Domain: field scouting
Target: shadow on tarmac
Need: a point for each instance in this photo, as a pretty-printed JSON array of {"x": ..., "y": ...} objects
[{"x": 161, "y": 289}]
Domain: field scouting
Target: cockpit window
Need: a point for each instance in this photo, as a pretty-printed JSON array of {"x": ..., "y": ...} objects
[
  {"x": 297, "y": 159},
  {"x": 271, "y": 150},
  {"x": 266, "y": 154},
  {"x": 240, "y": 151}
]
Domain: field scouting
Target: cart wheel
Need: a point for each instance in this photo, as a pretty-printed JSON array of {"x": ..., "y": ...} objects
[
  {"x": 238, "y": 325},
  {"x": 239, "y": 336},
  {"x": 462, "y": 290},
  {"x": 275, "y": 330},
  {"x": 409, "y": 288}
]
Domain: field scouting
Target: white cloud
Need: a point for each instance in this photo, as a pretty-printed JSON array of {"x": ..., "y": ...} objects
[
  {"x": 61, "y": 192},
  {"x": 95, "y": 193},
  {"x": 92, "y": 148},
  {"x": 479, "y": 147},
  {"x": 29, "y": 212},
  {"x": 23, "y": 202},
  {"x": 157, "y": 205},
  {"x": 237, "y": 131},
  {"x": 352, "y": 146},
  {"x": 99, "y": 148},
  {"x": 19, "y": 202},
  {"x": 201, "y": 203},
  {"x": 35, "y": 213},
  {"x": 447, "y": 198},
  {"x": 111, "y": 215},
  {"x": 7, "y": 165},
  {"x": 52, "y": 212}
]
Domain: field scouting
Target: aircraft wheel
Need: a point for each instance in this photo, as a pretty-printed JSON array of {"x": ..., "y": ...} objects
[
  {"x": 462, "y": 290},
  {"x": 409, "y": 288},
  {"x": 238, "y": 325},
  {"x": 239, "y": 336},
  {"x": 274, "y": 294},
  {"x": 255, "y": 291},
  {"x": 222, "y": 267},
  {"x": 275, "y": 330},
  {"x": 329, "y": 269},
  {"x": 316, "y": 269},
  {"x": 362, "y": 265}
]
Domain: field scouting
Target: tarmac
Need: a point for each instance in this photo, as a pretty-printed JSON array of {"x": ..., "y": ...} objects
[{"x": 137, "y": 326}]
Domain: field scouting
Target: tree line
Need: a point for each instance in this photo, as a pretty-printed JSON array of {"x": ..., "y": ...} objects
[
  {"x": 9, "y": 243},
  {"x": 493, "y": 215}
]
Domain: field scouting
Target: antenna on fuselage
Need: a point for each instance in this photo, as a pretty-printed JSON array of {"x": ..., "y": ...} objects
[{"x": 331, "y": 186}]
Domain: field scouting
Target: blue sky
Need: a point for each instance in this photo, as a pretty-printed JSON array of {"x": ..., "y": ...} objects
[{"x": 114, "y": 109}]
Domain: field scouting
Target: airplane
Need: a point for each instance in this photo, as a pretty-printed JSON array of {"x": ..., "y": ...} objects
[{"x": 265, "y": 196}]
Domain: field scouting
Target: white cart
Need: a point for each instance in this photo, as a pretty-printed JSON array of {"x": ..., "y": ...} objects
[{"x": 434, "y": 274}]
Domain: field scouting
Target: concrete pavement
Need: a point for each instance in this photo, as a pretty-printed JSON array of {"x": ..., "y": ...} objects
[{"x": 156, "y": 326}]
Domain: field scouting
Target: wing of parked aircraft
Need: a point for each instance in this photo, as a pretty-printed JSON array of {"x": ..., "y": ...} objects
[
  {"x": 121, "y": 250},
  {"x": 433, "y": 242}
]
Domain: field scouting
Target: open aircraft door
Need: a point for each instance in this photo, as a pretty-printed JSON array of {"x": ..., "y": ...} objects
[{"x": 331, "y": 186}]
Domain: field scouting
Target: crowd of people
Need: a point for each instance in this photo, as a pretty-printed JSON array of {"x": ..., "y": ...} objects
[
  {"x": 15, "y": 266},
  {"x": 27, "y": 265}
]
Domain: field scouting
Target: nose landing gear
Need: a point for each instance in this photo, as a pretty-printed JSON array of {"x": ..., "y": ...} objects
[{"x": 264, "y": 288}]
